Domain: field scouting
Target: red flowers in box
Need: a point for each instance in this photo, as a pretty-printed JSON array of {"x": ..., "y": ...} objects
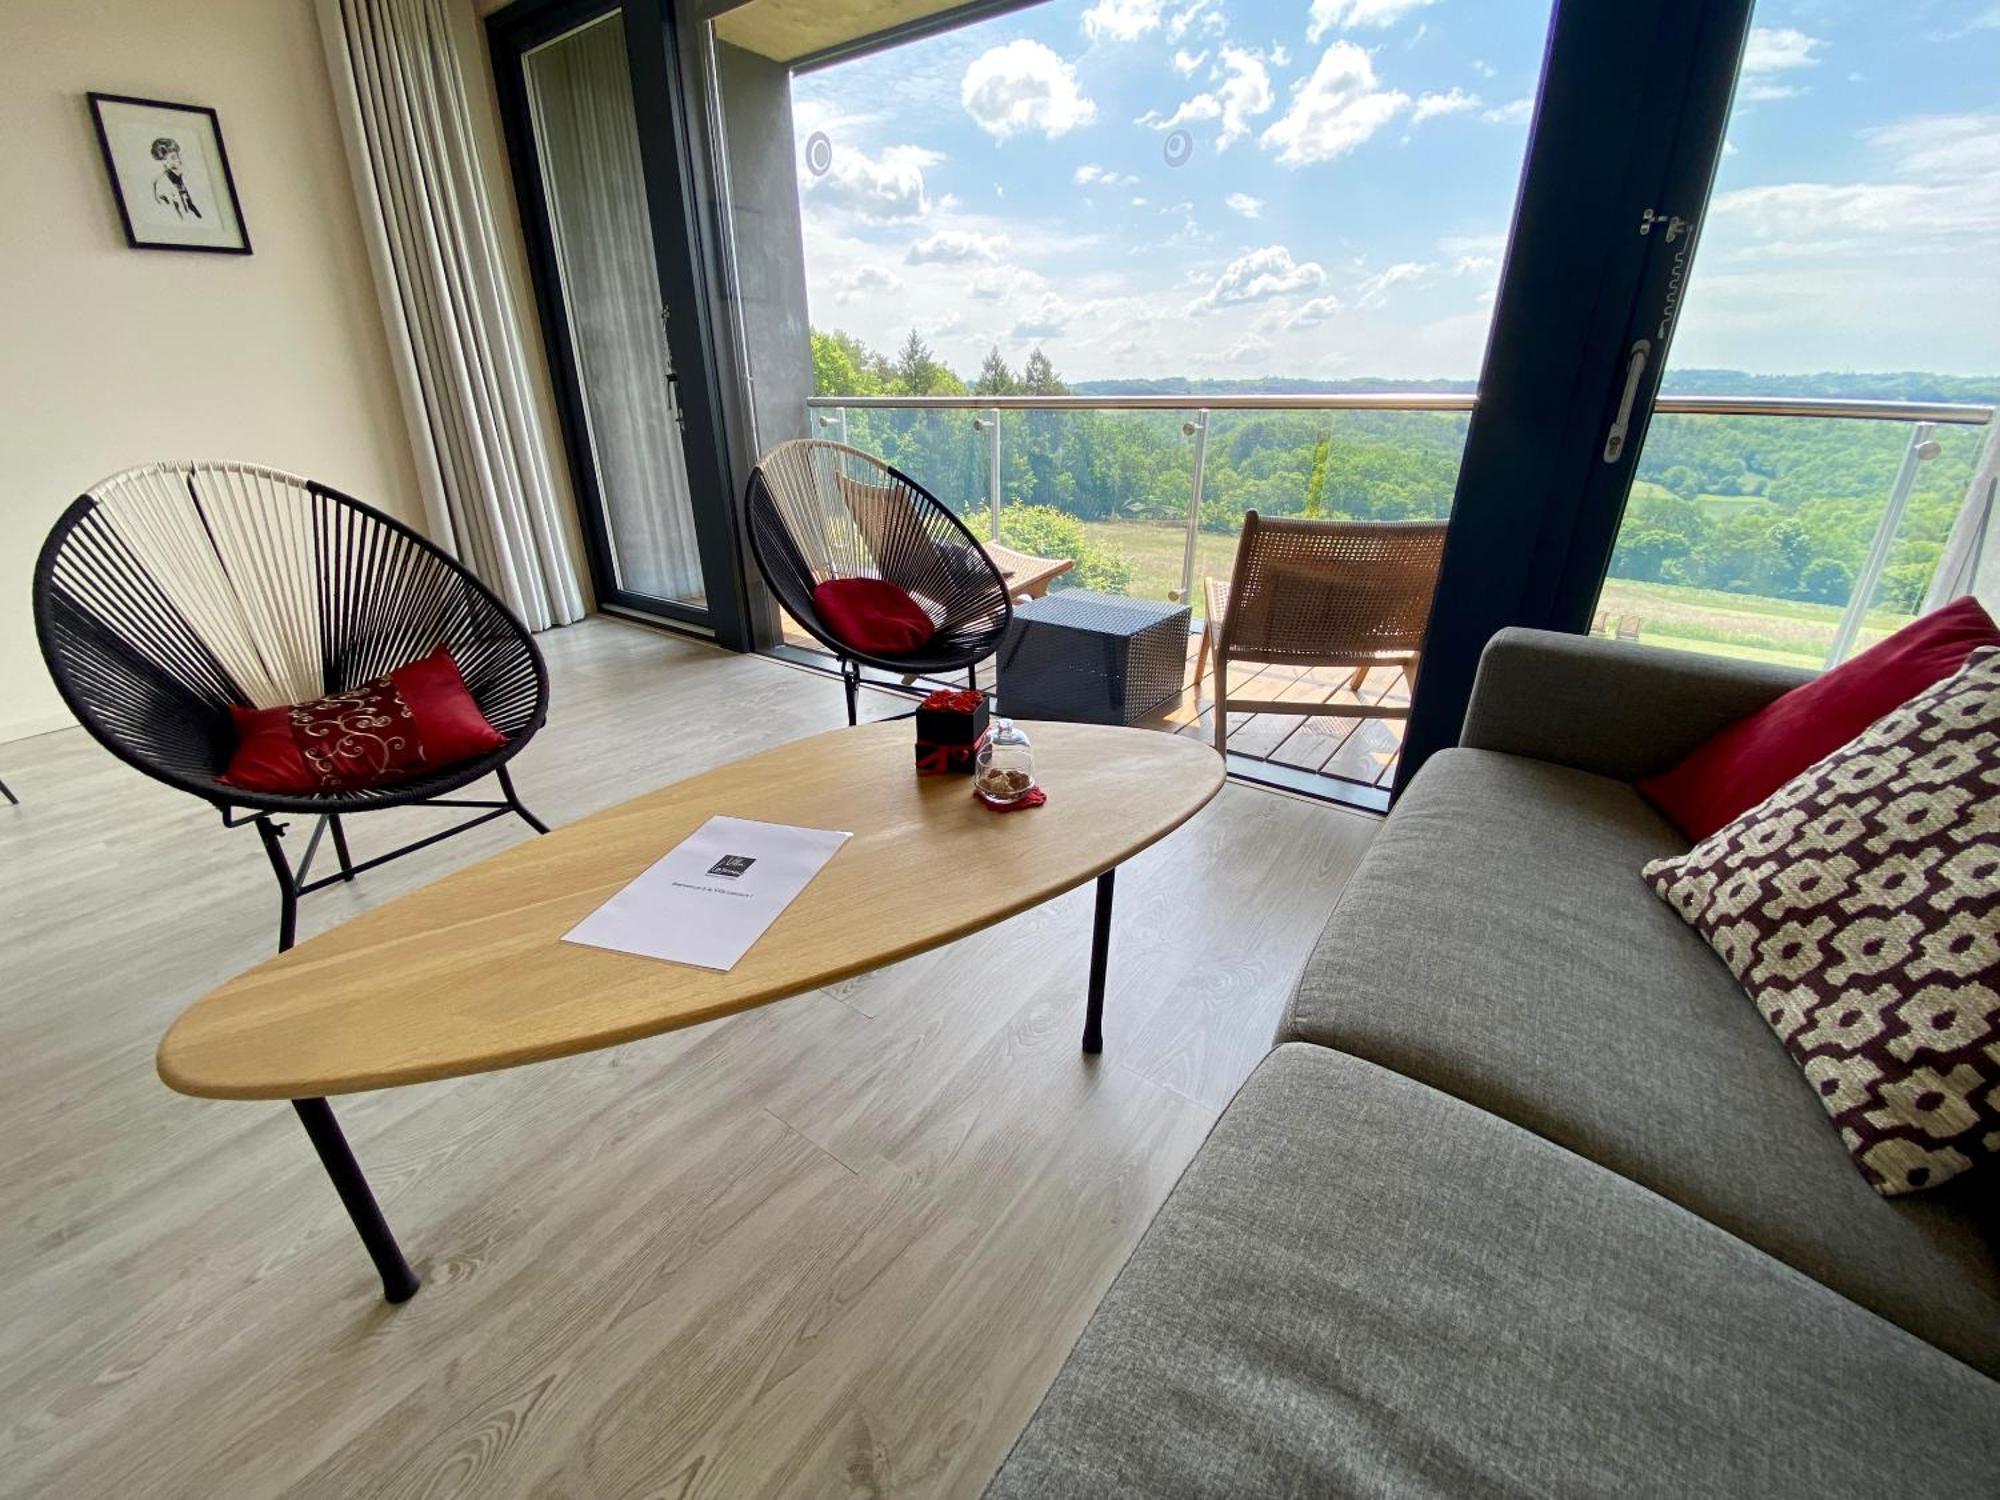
[{"x": 951, "y": 726}]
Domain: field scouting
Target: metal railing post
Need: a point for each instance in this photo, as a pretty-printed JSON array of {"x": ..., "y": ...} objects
[
  {"x": 1918, "y": 450},
  {"x": 1198, "y": 430},
  {"x": 992, "y": 429},
  {"x": 837, "y": 422}
]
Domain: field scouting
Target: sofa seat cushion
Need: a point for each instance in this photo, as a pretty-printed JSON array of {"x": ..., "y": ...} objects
[
  {"x": 1498, "y": 943},
  {"x": 1362, "y": 1286}
]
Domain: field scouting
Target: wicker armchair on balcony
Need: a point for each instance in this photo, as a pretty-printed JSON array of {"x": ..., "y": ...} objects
[
  {"x": 821, "y": 511},
  {"x": 1321, "y": 594},
  {"x": 171, "y": 593}
]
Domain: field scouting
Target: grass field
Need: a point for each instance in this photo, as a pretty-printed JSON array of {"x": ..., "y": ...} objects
[{"x": 1786, "y": 631}]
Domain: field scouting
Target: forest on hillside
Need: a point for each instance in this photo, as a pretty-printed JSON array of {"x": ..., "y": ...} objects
[{"x": 1778, "y": 507}]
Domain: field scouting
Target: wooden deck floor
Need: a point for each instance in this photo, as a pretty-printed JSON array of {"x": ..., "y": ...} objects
[{"x": 1338, "y": 748}]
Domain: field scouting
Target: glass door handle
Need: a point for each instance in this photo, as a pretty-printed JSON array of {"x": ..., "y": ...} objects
[{"x": 1635, "y": 370}]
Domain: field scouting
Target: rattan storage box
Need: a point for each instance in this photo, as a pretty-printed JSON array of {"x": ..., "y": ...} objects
[{"x": 1092, "y": 658}]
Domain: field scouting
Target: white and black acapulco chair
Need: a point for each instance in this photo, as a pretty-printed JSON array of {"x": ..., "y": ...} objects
[
  {"x": 171, "y": 591},
  {"x": 818, "y": 511}
]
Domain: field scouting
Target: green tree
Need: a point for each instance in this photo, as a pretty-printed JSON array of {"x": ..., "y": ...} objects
[
  {"x": 995, "y": 378},
  {"x": 1826, "y": 580},
  {"x": 1316, "y": 485},
  {"x": 841, "y": 366},
  {"x": 1039, "y": 378},
  {"x": 1047, "y": 532}
]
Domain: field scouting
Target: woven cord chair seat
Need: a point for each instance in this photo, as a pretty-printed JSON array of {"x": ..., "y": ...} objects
[
  {"x": 819, "y": 511},
  {"x": 173, "y": 591}
]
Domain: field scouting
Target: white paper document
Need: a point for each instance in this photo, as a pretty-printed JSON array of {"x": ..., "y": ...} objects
[{"x": 713, "y": 894}]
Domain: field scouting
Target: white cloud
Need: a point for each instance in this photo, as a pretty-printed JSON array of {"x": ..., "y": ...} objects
[
  {"x": 1772, "y": 50},
  {"x": 1374, "y": 291},
  {"x": 1187, "y": 63},
  {"x": 1046, "y": 320},
  {"x": 1243, "y": 92},
  {"x": 1249, "y": 347},
  {"x": 1310, "y": 314},
  {"x": 1961, "y": 148},
  {"x": 955, "y": 247},
  {"x": 1776, "y": 49},
  {"x": 1943, "y": 195},
  {"x": 1091, "y": 172},
  {"x": 1761, "y": 91},
  {"x": 1513, "y": 112},
  {"x": 1340, "y": 106},
  {"x": 1454, "y": 101},
  {"x": 1200, "y": 107},
  {"x": 1256, "y": 275},
  {"x": 1484, "y": 68},
  {"x": 1122, "y": 20},
  {"x": 1246, "y": 93},
  {"x": 1024, "y": 86},
  {"x": 1244, "y": 204},
  {"x": 866, "y": 280},
  {"x": 885, "y": 188},
  {"x": 1207, "y": 14},
  {"x": 1345, "y": 15},
  {"x": 1472, "y": 254}
]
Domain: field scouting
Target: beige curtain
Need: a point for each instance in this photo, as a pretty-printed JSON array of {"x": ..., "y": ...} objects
[{"x": 483, "y": 454}]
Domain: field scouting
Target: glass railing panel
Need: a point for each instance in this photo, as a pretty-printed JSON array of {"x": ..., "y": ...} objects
[
  {"x": 1745, "y": 536},
  {"x": 1107, "y": 489}
]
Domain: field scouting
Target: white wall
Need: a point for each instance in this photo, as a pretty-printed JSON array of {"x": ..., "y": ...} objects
[{"x": 111, "y": 356}]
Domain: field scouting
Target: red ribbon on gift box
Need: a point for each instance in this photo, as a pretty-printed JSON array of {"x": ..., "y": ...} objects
[{"x": 943, "y": 760}]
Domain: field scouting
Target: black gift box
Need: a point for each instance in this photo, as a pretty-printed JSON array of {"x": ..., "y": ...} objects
[{"x": 951, "y": 726}]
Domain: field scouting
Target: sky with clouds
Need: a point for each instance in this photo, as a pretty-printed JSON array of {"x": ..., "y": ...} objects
[{"x": 1236, "y": 188}]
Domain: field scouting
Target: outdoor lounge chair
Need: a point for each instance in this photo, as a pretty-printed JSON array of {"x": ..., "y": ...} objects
[{"x": 1321, "y": 594}]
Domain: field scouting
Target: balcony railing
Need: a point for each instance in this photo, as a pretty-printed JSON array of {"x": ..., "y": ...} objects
[{"x": 968, "y": 463}]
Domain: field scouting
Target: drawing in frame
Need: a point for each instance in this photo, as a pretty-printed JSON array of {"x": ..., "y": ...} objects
[{"x": 170, "y": 175}]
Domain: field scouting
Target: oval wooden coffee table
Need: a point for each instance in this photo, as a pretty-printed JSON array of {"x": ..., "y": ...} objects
[{"x": 471, "y": 974}]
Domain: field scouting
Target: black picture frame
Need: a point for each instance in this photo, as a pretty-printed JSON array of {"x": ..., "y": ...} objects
[{"x": 140, "y": 234}]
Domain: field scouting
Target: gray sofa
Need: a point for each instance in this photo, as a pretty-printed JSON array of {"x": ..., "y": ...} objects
[{"x": 1528, "y": 1200}]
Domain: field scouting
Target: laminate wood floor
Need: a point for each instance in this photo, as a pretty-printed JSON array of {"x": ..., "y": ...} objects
[{"x": 837, "y": 1246}]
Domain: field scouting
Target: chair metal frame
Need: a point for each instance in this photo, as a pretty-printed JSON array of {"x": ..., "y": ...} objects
[{"x": 818, "y": 510}]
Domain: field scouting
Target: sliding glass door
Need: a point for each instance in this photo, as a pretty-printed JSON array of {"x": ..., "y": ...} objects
[
  {"x": 579, "y": 89},
  {"x": 600, "y": 184}
]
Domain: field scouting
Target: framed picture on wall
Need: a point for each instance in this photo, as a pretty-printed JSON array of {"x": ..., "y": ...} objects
[{"x": 170, "y": 175}]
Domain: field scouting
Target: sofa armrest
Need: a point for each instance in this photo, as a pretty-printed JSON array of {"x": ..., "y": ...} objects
[{"x": 1611, "y": 707}]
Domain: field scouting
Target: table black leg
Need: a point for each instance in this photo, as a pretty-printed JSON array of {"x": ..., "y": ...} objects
[
  {"x": 399, "y": 1282},
  {"x": 1100, "y": 954}
]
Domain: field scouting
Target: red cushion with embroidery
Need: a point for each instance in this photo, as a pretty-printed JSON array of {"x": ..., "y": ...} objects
[
  {"x": 873, "y": 615},
  {"x": 1731, "y": 772},
  {"x": 416, "y": 721}
]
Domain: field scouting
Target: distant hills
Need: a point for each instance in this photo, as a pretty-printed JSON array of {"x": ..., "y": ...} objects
[{"x": 1897, "y": 385}]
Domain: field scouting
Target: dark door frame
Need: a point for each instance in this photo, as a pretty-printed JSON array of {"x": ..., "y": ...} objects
[
  {"x": 1634, "y": 100},
  {"x": 680, "y": 252}
]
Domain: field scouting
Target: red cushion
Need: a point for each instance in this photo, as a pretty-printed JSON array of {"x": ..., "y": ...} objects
[
  {"x": 416, "y": 721},
  {"x": 1731, "y": 772},
  {"x": 873, "y": 615}
]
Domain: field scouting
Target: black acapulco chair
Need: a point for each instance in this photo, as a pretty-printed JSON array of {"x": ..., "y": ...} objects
[
  {"x": 818, "y": 511},
  {"x": 171, "y": 591}
]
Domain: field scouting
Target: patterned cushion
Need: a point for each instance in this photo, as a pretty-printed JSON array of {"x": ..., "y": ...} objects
[
  {"x": 1857, "y": 906},
  {"x": 417, "y": 720}
]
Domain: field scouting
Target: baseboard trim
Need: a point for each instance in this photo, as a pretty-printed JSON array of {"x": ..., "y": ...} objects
[{"x": 27, "y": 729}]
